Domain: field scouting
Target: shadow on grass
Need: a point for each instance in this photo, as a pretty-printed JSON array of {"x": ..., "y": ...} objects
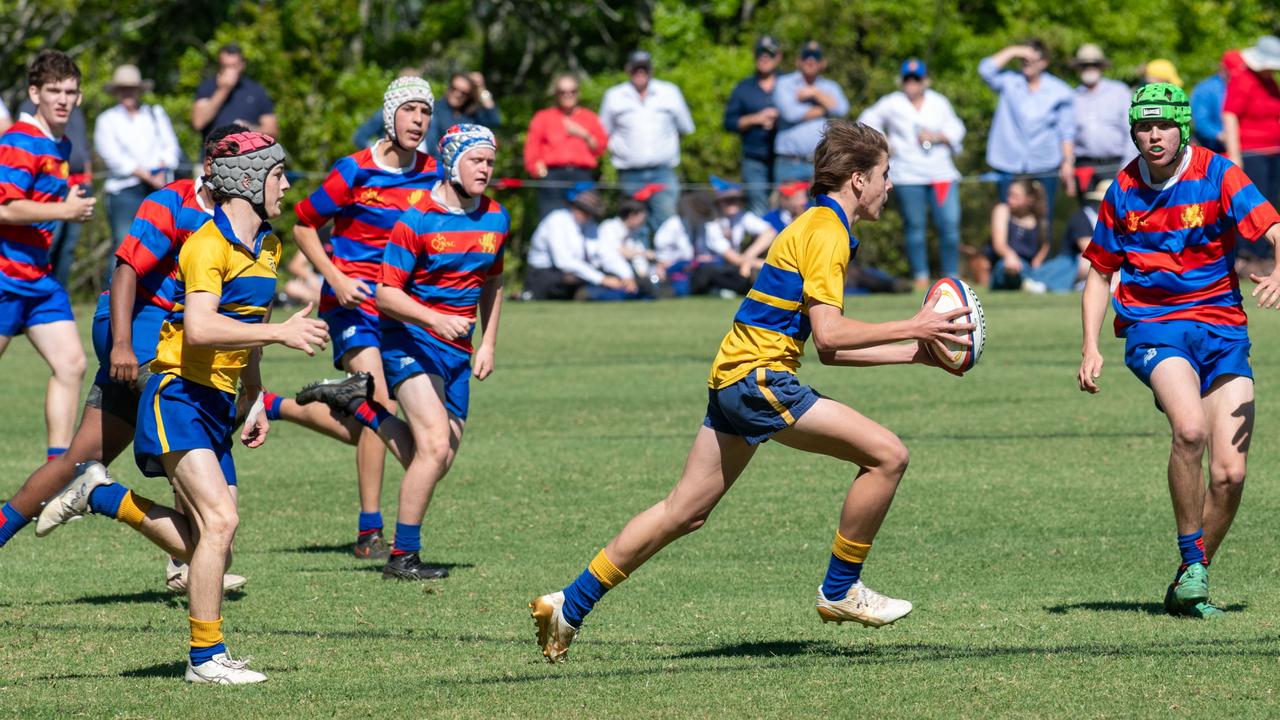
[
  {"x": 1150, "y": 608},
  {"x": 339, "y": 549},
  {"x": 159, "y": 670},
  {"x": 376, "y": 567},
  {"x": 141, "y": 597}
]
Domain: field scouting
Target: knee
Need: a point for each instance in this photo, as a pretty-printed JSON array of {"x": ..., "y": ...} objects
[
  {"x": 1190, "y": 438},
  {"x": 71, "y": 368},
  {"x": 684, "y": 520},
  {"x": 1228, "y": 477},
  {"x": 219, "y": 527},
  {"x": 893, "y": 459}
]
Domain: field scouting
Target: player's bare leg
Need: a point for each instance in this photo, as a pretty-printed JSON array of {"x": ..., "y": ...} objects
[
  {"x": 1229, "y": 408},
  {"x": 59, "y": 344}
]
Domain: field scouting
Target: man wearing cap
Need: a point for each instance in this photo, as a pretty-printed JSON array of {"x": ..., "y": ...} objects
[
  {"x": 924, "y": 135},
  {"x": 230, "y": 96},
  {"x": 805, "y": 100},
  {"x": 1251, "y": 123},
  {"x": 1102, "y": 119},
  {"x": 139, "y": 147},
  {"x": 751, "y": 114},
  {"x": 563, "y": 254},
  {"x": 645, "y": 118}
]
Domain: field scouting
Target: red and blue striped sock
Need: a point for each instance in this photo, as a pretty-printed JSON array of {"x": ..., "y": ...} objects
[
  {"x": 370, "y": 413},
  {"x": 1191, "y": 547},
  {"x": 370, "y": 522},
  {"x": 271, "y": 403},
  {"x": 54, "y": 452},
  {"x": 408, "y": 539},
  {"x": 11, "y": 521}
]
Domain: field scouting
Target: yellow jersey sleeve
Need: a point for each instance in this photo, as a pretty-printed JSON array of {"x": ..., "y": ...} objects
[
  {"x": 202, "y": 263},
  {"x": 823, "y": 263}
]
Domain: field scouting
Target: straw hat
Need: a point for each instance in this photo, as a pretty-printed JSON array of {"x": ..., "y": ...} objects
[
  {"x": 127, "y": 76},
  {"x": 1264, "y": 55}
]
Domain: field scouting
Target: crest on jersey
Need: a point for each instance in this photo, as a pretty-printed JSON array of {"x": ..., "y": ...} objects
[
  {"x": 440, "y": 243},
  {"x": 1133, "y": 222},
  {"x": 270, "y": 260},
  {"x": 368, "y": 196},
  {"x": 1192, "y": 216},
  {"x": 414, "y": 197},
  {"x": 489, "y": 242}
]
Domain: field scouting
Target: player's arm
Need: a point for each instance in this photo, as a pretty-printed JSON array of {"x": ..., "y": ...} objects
[
  {"x": 77, "y": 208},
  {"x": 203, "y": 326},
  {"x": 254, "y": 433},
  {"x": 1268, "y": 290},
  {"x": 834, "y": 334},
  {"x": 313, "y": 213},
  {"x": 398, "y": 261},
  {"x": 490, "y": 310},
  {"x": 894, "y": 354},
  {"x": 124, "y": 291},
  {"x": 1093, "y": 309}
]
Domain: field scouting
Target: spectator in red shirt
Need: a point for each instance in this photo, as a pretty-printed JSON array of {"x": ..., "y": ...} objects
[
  {"x": 1251, "y": 124},
  {"x": 564, "y": 145}
]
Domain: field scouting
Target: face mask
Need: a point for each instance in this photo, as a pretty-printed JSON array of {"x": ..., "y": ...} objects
[{"x": 1090, "y": 76}]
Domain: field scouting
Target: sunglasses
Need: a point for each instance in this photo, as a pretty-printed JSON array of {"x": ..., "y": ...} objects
[{"x": 567, "y": 92}]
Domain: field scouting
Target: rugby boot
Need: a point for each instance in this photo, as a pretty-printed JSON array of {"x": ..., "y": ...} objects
[
  {"x": 73, "y": 501},
  {"x": 862, "y": 605},
  {"x": 339, "y": 394},
  {"x": 222, "y": 670},
  {"x": 408, "y": 566},
  {"x": 175, "y": 578},
  {"x": 371, "y": 546},
  {"x": 554, "y": 632},
  {"x": 1192, "y": 586}
]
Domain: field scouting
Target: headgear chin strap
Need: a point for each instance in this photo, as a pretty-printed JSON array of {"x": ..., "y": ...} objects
[
  {"x": 458, "y": 141},
  {"x": 239, "y": 165},
  {"x": 409, "y": 88}
]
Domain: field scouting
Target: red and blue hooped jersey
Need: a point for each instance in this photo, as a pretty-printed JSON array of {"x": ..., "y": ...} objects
[
  {"x": 33, "y": 166},
  {"x": 163, "y": 223},
  {"x": 364, "y": 200},
  {"x": 442, "y": 260},
  {"x": 1175, "y": 248}
]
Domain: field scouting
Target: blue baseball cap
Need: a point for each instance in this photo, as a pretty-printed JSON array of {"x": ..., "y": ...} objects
[
  {"x": 811, "y": 51},
  {"x": 913, "y": 67}
]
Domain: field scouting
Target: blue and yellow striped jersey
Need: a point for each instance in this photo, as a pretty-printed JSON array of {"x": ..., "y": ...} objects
[
  {"x": 244, "y": 279},
  {"x": 807, "y": 262}
]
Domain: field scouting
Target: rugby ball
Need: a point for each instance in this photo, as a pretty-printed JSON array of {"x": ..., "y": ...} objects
[{"x": 952, "y": 292}]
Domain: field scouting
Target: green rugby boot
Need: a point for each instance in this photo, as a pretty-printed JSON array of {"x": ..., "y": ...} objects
[{"x": 1193, "y": 586}]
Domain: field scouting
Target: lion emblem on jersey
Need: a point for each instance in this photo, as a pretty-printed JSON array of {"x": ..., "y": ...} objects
[
  {"x": 489, "y": 242},
  {"x": 1133, "y": 222},
  {"x": 1193, "y": 216},
  {"x": 440, "y": 243},
  {"x": 368, "y": 196},
  {"x": 414, "y": 198}
]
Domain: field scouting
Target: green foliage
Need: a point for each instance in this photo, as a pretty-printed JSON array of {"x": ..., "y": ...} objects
[{"x": 326, "y": 61}]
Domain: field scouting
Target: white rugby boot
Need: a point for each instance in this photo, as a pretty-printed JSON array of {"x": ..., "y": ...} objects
[
  {"x": 73, "y": 501},
  {"x": 222, "y": 670},
  {"x": 175, "y": 578},
  {"x": 862, "y": 605}
]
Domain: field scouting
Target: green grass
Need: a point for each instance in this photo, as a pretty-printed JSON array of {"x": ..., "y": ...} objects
[{"x": 1033, "y": 532}]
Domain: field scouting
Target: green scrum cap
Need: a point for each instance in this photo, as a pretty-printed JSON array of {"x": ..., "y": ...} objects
[{"x": 1161, "y": 101}]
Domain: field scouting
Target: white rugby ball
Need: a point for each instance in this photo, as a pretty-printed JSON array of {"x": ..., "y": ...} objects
[{"x": 952, "y": 293}]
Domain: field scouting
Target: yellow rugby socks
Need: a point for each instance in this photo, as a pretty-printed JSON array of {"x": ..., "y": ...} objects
[
  {"x": 599, "y": 578},
  {"x": 117, "y": 501},
  {"x": 206, "y": 640},
  {"x": 845, "y": 567}
]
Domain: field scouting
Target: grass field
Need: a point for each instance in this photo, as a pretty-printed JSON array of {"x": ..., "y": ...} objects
[{"x": 1033, "y": 532}]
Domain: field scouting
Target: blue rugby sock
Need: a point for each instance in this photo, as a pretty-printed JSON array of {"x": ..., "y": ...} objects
[
  {"x": 408, "y": 539},
  {"x": 583, "y": 594},
  {"x": 370, "y": 522},
  {"x": 106, "y": 499},
  {"x": 11, "y": 521},
  {"x": 1191, "y": 547},
  {"x": 845, "y": 567},
  {"x": 54, "y": 452},
  {"x": 201, "y": 655}
]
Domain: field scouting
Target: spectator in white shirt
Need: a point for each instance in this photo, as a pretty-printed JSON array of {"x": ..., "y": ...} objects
[
  {"x": 734, "y": 241},
  {"x": 924, "y": 135},
  {"x": 565, "y": 251},
  {"x": 139, "y": 147},
  {"x": 5, "y": 119},
  {"x": 645, "y": 118}
]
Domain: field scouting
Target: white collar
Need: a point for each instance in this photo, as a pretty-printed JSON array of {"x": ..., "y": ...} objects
[
  {"x": 373, "y": 153},
  {"x": 437, "y": 195},
  {"x": 199, "y": 197},
  {"x": 1177, "y": 175},
  {"x": 30, "y": 119}
]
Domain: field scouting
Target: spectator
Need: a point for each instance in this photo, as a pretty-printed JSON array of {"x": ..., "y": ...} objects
[
  {"x": 793, "y": 199},
  {"x": 373, "y": 129},
  {"x": 561, "y": 253},
  {"x": 139, "y": 147},
  {"x": 1207, "y": 100},
  {"x": 736, "y": 241},
  {"x": 620, "y": 244},
  {"x": 924, "y": 134},
  {"x": 1080, "y": 229},
  {"x": 5, "y": 119},
  {"x": 805, "y": 100},
  {"x": 751, "y": 114},
  {"x": 66, "y": 235},
  {"x": 1160, "y": 70},
  {"x": 230, "y": 96},
  {"x": 465, "y": 101},
  {"x": 1102, "y": 141},
  {"x": 1019, "y": 250},
  {"x": 673, "y": 254},
  {"x": 564, "y": 144},
  {"x": 1034, "y": 126},
  {"x": 645, "y": 118},
  {"x": 1251, "y": 125}
]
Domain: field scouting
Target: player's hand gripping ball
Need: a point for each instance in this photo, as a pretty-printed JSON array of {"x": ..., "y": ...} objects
[{"x": 952, "y": 292}]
